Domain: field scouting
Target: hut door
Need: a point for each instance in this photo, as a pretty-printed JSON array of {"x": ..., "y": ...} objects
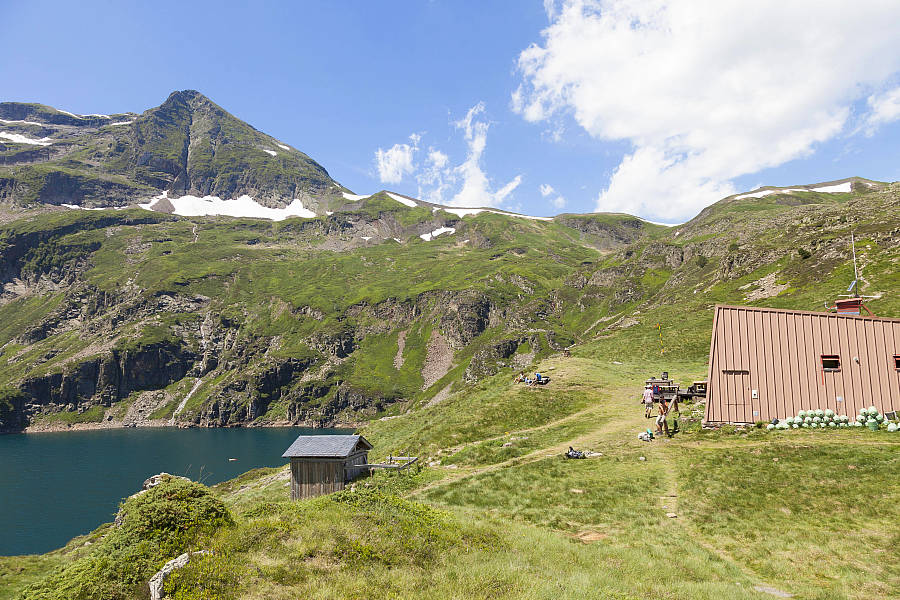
[{"x": 739, "y": 406}]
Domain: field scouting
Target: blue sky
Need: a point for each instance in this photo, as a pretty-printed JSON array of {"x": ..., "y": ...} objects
[{"x": 542, "y": 107}]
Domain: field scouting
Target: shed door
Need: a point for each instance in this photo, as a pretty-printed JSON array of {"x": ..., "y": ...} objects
[{"x": 739, "y": 407}]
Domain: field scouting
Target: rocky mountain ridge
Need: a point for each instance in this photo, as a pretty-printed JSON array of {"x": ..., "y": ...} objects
[
  {"x": 369, "y": 306},
  {"x": 186, "y": 146}
]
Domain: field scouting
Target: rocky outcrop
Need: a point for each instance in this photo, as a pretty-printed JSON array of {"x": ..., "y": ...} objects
[
  {"x": 345, "y": 403},
  {"x": 466, "y": 317},
  {"x": 38, "y": 248},
  {"x": 488, "y": 361},
  {"x": 109, "y": 378},
  {"x": 246, "y": 398},
  {"x": 12, "y": 411}
]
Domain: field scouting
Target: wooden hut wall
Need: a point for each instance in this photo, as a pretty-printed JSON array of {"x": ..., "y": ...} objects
[
  {"x": 779, "y": 353},
  {"x": 358, "y": 458},
  {"x": 311, "y": 477}
]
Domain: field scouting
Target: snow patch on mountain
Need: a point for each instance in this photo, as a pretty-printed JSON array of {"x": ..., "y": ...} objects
[
  {"x": 353, "y": 197},
  {"x": 402, "y": 200},
  {"x": 439, "y": 231},
  {"x": 65, "y": 112},
  {"x": 244, "y": 206},
  {"x": 5, "y": 122},
  {"x": 283, "y": 147},
  {"x": 75, "y": 206},
  {"x": 270, "y": 152},
  {"x": 22, "y": 139},
  {"x": 839, "y": 188}
]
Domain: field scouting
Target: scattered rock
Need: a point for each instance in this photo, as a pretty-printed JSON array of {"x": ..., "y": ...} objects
[
  {"x": 576, "y": 491},
  {"x": 157, "y": 581},
  {"x": 671, "y": 515},
  {"x": 768, "y": 589},
  {"x": 642, "y": 458},
  {"x": 507, "y": 444},
  {"x": 155, "y": 480}
]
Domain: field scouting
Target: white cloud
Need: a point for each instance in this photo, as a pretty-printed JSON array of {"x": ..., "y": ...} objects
[
  {"x": 465, "y": 184},
  {"x": 707, "y": 92},
  {"x": 476, "y": 187},
  {"x": 883, "y": 108},
  {"x": 397, "y": 161},
  {"x": 547, "y": 190}
]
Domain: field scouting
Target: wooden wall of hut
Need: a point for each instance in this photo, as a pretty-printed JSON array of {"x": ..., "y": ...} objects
[
  {"x": 311, "y": 477},
  {"x": 360, "y": 458}
]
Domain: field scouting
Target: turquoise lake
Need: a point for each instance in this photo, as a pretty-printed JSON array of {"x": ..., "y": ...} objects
[{"x": 55, "y": 486}]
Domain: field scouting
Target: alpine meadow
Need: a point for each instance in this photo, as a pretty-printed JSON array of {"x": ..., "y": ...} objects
[{"x": 177, "y": 267}]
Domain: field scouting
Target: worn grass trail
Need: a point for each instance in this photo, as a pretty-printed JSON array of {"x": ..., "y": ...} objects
[{"x": 703, "y": 507}]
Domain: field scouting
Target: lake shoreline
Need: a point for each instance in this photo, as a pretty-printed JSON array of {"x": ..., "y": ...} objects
[
  {"x": 57, "y": 487},
  {"x": 165, "y": 423}
]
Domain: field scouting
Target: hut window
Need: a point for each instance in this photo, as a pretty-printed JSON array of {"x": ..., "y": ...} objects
[
  {"x": 831, "y": 362},
  {"x": 897, "y": 361}
]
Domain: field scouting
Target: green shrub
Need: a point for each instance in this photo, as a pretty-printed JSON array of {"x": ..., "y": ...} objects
[
  {"x": 804, "y": 253},
  {"x": 156, "y": 526}
]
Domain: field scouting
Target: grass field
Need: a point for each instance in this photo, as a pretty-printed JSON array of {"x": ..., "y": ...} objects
[{"x": 723, "y": 514}]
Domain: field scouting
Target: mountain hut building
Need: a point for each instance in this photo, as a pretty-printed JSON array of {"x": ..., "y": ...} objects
[
  {"x": 766, "y": 363},
  {"x": 321, "y": 464}
]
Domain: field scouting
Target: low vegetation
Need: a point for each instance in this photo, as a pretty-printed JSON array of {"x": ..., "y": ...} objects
[
  {"x": 118, "y": 560},
  {"x": 500, "y": 513}
]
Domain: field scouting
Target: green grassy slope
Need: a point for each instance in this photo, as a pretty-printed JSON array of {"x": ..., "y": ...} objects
[
  {"x": 808, "y": 513},
  {"x": 302, "y": 320}
]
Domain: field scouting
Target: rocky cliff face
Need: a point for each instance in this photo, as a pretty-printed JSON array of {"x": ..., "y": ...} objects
[{"x": 107, "y": 379}]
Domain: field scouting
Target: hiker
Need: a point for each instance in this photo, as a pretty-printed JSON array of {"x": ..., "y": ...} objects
[
  {"x": 519, "y": 378},
  {"x": 537, "y": 378},
  {"x": 573, "y": 453},
  {"x": 647, "y": 399},
  {"x": 661, "y": 424},
  {"x": 676, "y": 413}
]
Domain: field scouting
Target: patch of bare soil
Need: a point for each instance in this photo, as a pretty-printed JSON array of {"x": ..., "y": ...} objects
[
  {"x": 438, "y": 359},
  {"x": 765, "y": 288},
  {"x": 401, "y": 344},
  {"x": 439, "y": 397},
  {"x": 589, "y": 537}
]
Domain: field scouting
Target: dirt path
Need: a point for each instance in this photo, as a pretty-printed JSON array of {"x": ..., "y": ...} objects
[{"x": 607, "y": 430}]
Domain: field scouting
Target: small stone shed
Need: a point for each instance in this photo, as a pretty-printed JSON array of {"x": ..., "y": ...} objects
[{"x": 321, "y": 464}]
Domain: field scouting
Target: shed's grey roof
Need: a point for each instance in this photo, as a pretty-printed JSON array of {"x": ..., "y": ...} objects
[{"x": 326, "y": 446}]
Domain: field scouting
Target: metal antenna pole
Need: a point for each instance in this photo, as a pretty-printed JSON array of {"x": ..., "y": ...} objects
[{"x": 853, "y": 247}]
